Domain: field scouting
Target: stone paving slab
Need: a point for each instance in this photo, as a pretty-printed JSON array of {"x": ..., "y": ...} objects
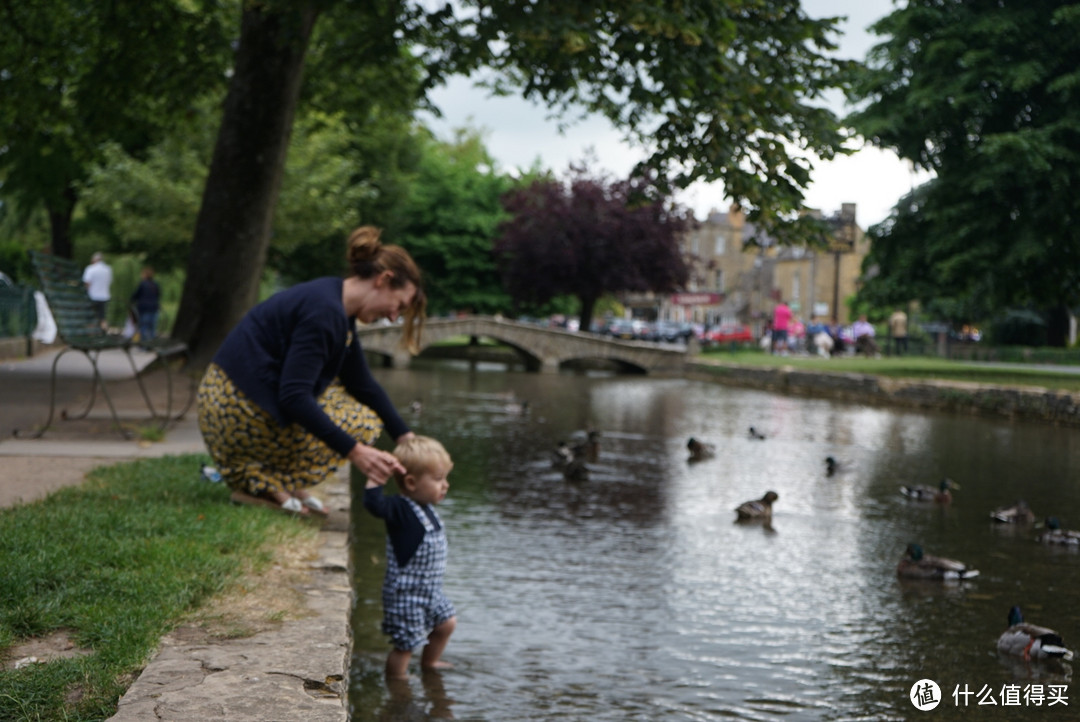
[{"x": 296, "y": 672}]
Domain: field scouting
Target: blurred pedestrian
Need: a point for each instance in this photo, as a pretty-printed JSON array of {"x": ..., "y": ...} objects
[
  {"x": 147, "y": 302},
  {"x": 780, "y": 321},
  {"x": 97, "y": 278},
  {"x": 898, "y": 332},
  {"x": 864, "y": 337}
]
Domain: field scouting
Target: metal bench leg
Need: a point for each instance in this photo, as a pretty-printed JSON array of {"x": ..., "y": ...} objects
[
  {"x": 142, "y": 386},
  {"x": 105, "y": 394},
  {"x": 170, "y": 389},
  {"x": 52, "y": 396}
]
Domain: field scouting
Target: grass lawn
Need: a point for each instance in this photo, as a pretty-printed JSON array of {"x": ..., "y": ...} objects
[
  {"x": 113, "y": 564},
  {"x": 908, "y": 367}
]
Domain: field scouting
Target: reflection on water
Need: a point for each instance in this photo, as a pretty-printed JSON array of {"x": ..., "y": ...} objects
[{"x": 635, "y": 596}]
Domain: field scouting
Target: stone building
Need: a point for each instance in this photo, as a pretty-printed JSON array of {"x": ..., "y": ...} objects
[
  {"x": 738, "y": 273},
  {"x": 819, "y": 281}
]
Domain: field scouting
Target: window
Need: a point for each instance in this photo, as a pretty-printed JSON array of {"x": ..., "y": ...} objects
[{"x": 721, "y": 244}]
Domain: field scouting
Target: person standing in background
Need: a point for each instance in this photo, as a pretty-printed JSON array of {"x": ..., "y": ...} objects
[
  {"x": 147, "y": 302},
  {"x": 781, "y": 321},
  {"x": 898, "y": 331},
  {"x": 97, "y": 277}
]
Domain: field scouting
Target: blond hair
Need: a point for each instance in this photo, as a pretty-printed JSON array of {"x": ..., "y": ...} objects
[
  {"x": 368, "y": 257},
  {"x": 422, "y": 453}
]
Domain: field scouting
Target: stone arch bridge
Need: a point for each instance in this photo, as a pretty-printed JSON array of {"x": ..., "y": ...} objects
[{"x": 543, "y": 349}]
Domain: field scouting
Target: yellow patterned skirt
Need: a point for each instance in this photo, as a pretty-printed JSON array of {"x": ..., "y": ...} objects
[{"x": 257, "y": 455}]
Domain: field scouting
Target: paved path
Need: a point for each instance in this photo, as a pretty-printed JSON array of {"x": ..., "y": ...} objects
[{"x": 297, "y": 671}]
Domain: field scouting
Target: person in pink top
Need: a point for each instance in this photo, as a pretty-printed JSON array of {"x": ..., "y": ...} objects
[{"x": 780, "y": 323}]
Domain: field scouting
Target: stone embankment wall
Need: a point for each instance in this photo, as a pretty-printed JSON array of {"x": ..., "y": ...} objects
[{"x": 1026, "y": 403}]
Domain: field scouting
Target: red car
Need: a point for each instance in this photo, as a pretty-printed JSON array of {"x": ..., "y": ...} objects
[{"x": 729, "y": 333}]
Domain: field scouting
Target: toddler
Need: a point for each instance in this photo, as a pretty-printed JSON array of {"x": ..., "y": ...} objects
[{"x": 414, "y": 606}]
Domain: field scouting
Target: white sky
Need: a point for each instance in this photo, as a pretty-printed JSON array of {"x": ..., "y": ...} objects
[{"x": 517, "y": 132}]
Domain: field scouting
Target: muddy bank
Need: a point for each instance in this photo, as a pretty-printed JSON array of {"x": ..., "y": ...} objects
[{"x": 1019, "y": 403}]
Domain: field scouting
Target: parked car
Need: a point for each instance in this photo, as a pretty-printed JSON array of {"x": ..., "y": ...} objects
[
  {"x": 673, "y": 331},
  {"x": 622, "y": 328},
  {"x": 729, "y": 333},
  {"x": 643, "y": 330}
]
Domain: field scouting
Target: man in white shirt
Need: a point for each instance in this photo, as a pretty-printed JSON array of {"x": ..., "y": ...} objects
[{"x": 97, "y": 277}]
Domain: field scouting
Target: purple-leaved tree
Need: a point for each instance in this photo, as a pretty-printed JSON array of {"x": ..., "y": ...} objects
[{"x": 587, "y": 237}]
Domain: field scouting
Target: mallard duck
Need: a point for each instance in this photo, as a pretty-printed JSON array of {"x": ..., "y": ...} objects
[
  {"x": 589, "y": 448},
  {"x": 942, "y": 494},
  {"x": 1018, "y": 513},
  {"x": 917, "y": 565},
  {"x": 517, "y": 408},
  {"x": 755, "y": 434},
  {"x": 1031, "y": 641},
  {"x": 757, "y": 509},
  {"x": 700, "y": 450},
  {"x": 561, "y": 455},
  {"x": 1054, "y": 534},
  {"x": 570, "y": 460},
  {"x": 576, "y": 470},
  {"x": 831, "y": 465}
]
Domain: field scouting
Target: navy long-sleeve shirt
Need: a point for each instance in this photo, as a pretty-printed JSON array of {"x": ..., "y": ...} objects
[
  {"x": 288, "y": 349},
  {"x": 406, "y": 532}
]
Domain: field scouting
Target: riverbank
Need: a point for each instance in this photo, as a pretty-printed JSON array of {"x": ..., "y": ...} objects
[
  {"x": 1022, "y": 403},
  {"x": 1012, "y": 391}
]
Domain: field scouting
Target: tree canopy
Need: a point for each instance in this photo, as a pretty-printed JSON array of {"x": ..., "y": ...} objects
[
  {"x": 725, "y": 90},
  {"x": 448, "y": 223},
  {"x": 984, "y": 94},
  {"x": 77, "y": 74},
  {"x": 587, "y": 237},
  {"x": 717, "y": 89}
]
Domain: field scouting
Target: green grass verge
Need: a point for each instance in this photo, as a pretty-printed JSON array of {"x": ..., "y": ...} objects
[
  {"x": 116, "y": 562},
  {"x": 906, "y": 367}
]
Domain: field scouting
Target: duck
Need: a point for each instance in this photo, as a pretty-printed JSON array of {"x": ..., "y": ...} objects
[
  {"x": 942, "y": 494},
  {"x": 831, "y": 465},
  {"x": 1054, "y": 534},
  {"x": 561, "y": 455},
  {"x": 758, "y": 508},
  {"x": 1031, "y": 641},
  {"x": 917, "y": 565},
  {"x": 570, "y": 459},
  {"x": 517, "y": 408},
  {"x": 700, "y": 450},
  {"x": 589, "y": 448},
  {"x": 755, "y": 434},
  {"x": 576, "y": 470},
  {"x": 1018, "y": 513}
]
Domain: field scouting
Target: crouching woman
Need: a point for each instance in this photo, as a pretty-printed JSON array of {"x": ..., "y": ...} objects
[{"x": 289, "y": 394}]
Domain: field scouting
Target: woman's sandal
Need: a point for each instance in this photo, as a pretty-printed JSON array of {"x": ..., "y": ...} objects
[
  {"x": 313, "y": 504},
  {"x": 291, "y": 506}
]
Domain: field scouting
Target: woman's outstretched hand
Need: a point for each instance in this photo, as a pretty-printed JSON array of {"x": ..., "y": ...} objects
[{"x": 376, "y": 465}]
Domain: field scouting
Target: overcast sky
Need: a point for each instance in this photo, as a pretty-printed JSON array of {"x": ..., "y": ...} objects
[{"x": 517, "y": 133}]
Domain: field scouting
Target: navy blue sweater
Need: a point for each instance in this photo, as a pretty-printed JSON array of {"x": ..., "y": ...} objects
[
  {"x": 404, "y": 529},
  {"x": 289, "y": 348}
]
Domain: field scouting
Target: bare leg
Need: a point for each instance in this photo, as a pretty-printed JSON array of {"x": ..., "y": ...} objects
[
  {"x": 437, "y": 641},
  {"x": 397, "y": 664}
]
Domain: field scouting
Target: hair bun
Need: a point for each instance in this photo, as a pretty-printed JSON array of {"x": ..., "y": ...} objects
[{"x": 363, "y": 245}]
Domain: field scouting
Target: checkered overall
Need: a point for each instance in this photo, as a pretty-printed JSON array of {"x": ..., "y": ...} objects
[{"x": 413, "y": 600}]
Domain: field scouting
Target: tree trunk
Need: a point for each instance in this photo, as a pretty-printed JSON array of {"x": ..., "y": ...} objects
[
  {"x": 588, "y": 305},
  {"x": 1057, "y": 326},
  {"x": 232, "y": 232},
  {"x": 60, "y": 223}
]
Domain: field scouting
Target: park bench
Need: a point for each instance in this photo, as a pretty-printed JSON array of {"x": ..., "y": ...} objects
[{"x": 79, "y": 329}]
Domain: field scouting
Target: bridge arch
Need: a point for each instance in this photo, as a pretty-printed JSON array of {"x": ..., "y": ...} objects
[{"x": 543, "y": 349}]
